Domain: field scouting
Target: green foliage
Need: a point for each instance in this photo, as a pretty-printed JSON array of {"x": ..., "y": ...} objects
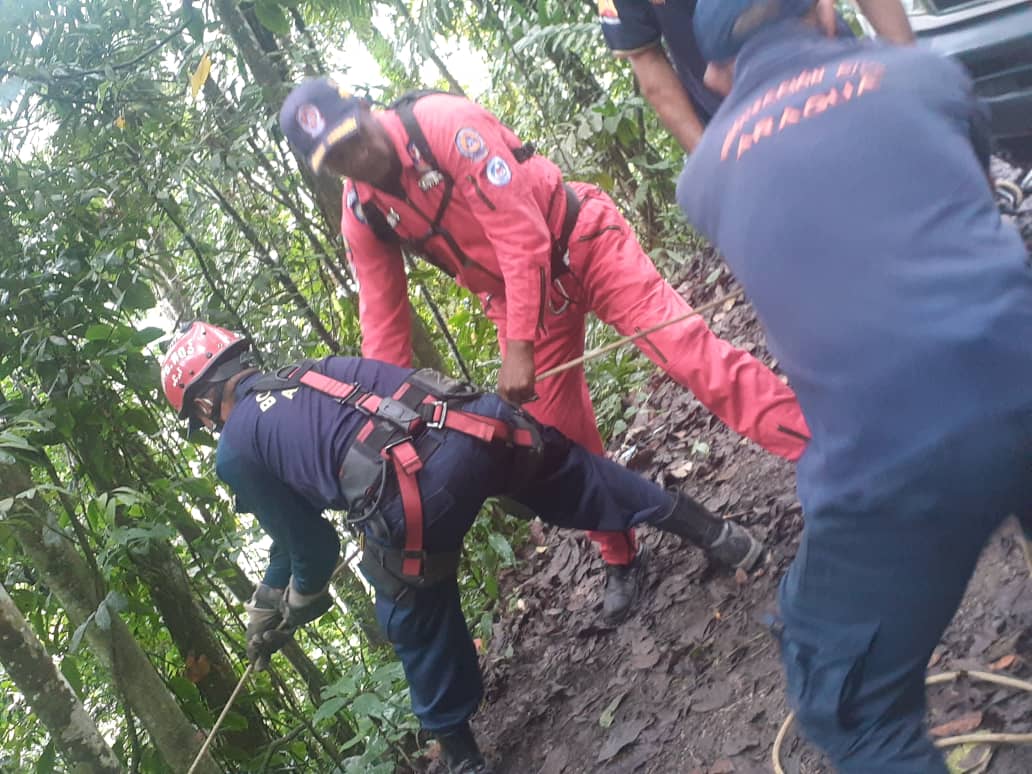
[
  {"x": 376, "y": 702},
  {"x": 129, "y": 205}
]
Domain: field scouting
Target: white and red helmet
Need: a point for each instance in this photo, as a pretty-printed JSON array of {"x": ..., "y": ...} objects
[{"x": 194, "y": 358}]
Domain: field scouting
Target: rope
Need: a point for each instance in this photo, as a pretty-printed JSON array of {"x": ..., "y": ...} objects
[
  {"x": 950, "y": 741},
  {"x": 240, "y": 684},
  {"x": 620, "y": 342}
]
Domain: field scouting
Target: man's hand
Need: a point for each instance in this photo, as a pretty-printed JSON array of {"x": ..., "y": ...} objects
[
  {"x": 263, "y": 637},
  {"x": 516, "y": 376}
]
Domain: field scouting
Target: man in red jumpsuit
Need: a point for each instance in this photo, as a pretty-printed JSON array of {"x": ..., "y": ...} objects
[{"x": 442, "y": 177}]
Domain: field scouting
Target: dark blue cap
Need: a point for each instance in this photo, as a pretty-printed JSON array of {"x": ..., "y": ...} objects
[
  {"x": 317, "y": 115},
  {"x": 723, "y": 26}
]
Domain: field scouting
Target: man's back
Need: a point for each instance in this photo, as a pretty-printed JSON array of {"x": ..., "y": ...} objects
[
  {"x": 298, "y": 437},
  {"x": 840, "y": 182}
]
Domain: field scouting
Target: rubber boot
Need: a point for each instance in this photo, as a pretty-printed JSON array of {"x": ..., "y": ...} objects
[
  {"x": 461, "y": 753},
  {"x": 623, "y": 586},
  {"x": 726, "y": 542}
]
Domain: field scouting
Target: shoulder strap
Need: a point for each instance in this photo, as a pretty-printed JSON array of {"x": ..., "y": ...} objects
[
  {"x": 286, "y": 378},
  {"x": 404, "y": 106}
]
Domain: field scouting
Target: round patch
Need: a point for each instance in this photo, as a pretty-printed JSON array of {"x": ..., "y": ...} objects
[
  {"x": 470, "y": 143},
  {"x": 355, "y": 205},
  {"x": 310, "y": 120},
  {"x": 498, "y": 172}
]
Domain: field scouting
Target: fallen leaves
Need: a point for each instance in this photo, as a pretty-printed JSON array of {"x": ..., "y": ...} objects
[
  {"x": 965, "y": 724},
  {"x": 609, "y": 713},
  {"x": 622, "y": 735},
  {"x": 713, "y": 697},
  {"x": 1006, "y": 662},
  {"x": 969, "y": 758}
]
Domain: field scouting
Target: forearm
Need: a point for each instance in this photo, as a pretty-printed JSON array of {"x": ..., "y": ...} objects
[
  {"x": 888, "y": 19},
  {"x": 662, "y": 88}
]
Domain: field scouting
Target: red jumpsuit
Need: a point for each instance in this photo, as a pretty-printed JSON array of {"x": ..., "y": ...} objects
[{"x": 504, "y": 216}]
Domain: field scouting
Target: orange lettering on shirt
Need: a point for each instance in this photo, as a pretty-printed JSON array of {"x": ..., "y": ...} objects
[
  {"x": 744, "y": 144},
  {"x": 789, "y": 117},
  {"x": 764, "y": 128},
  {"x": 869, "y": 82},
  {"x": 847, "y": 69}
]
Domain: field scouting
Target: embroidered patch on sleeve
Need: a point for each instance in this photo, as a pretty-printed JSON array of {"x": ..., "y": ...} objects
[
  {"x": 498, "y": 172},
  {"x": 470, "y": 143}
]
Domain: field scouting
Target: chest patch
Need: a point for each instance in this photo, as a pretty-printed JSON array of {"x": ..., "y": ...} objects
[
  {"x": 498, "y": 172},
  {"x": 470, "y": 143}
]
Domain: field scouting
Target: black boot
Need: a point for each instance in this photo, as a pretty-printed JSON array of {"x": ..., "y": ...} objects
[
  {"x": 461, "y": 753},
  {"x": 623, "y": 585},
  {"x": 726, "y": 542}
]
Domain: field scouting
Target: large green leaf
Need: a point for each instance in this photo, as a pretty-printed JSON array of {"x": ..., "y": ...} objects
[{"x": 272, "y": 16}]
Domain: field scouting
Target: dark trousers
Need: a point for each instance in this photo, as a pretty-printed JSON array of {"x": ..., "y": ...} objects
[
  {"x": 572, "y": 488},
  {"x": 877, "y": 580}
]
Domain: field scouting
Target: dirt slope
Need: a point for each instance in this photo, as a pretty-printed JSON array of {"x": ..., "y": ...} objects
[{"x": 692, "y": 683}]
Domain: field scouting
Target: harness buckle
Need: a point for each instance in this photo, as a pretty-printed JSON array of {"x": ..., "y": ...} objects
[{"x": 437, "y": 424}]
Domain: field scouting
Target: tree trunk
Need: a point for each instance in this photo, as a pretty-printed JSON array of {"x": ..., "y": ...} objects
[
  {"x": 72, "y": 730},
  {"x": 67, "y": 575},
  {"x": 157, "y": 565}
]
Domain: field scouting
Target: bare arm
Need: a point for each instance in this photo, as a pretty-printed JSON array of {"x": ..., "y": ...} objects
[
  {"x": 888, "y": 19},
  {"x": 663, "y": 90}
]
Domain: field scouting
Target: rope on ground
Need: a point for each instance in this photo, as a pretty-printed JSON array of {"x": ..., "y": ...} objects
[
  {"x": 950, "y": 741},
  {"x": 240, "y": 684}
]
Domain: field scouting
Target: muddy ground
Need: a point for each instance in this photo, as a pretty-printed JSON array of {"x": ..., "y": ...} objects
[{"x": 692, "y": 683}]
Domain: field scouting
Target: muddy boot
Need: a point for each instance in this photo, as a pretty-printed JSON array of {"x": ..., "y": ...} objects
[
  {"x": 726, "y": 542},
  {"x": 623, "y": 585},
  {"x": 461, "y": 753}
]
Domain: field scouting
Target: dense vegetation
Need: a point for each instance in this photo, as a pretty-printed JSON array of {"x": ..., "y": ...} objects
[{"x": 144, "y": 182}]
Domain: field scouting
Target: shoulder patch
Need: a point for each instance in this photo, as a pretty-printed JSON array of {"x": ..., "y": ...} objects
[
  {"x": 607, "y": 12},
  {"x": 355, "y": 206},
  {"x": 470, "y": 143},
  {"x": 498, "y": 172}
]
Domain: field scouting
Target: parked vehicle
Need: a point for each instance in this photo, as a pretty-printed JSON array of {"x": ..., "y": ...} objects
[{"x": 993, "y": 38}]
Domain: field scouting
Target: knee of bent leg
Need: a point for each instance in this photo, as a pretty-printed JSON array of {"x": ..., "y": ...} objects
[{"x": 824, "y": 671}]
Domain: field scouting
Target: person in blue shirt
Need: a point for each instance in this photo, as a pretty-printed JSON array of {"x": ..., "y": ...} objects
[
  {"x": 845, "y": 183},
  {"x": 410, "y": 457},
  {"x": 656, "y": 37}
]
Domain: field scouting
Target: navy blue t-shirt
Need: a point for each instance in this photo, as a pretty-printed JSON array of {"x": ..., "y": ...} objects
[
  {"x": 632, "y": 25},
  {"x": 281, "y": 454},
  {"x": 840, "y": 182}
]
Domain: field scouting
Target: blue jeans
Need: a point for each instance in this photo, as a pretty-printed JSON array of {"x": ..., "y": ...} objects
[
  {"x": 572, "y": 488},
  {"x": 877, "y": 580}
]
